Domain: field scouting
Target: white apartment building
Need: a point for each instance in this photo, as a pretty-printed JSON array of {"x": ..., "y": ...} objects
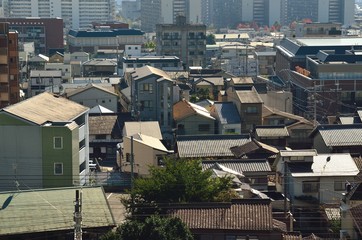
[{"x": 75, "y": 13}]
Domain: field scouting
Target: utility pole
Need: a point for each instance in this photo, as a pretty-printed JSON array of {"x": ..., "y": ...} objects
[
  {"x": 285, "y": 189},
  {"x": 132, "y": 163},
  {"x": 78, "y": 215}
]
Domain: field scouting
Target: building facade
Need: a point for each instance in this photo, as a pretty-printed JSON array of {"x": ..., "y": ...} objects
[
  {"x": 186, "y": 41},
  {"x": 75, "y": 13},
  {"x": 46, "y": 33},
  {"x": 44, "y": 141},
  {"x": 9, "y": 66}
]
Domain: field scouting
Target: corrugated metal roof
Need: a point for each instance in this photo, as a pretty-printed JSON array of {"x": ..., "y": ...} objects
[
  {"x": 52, "y": 209},
  {"x": 149, "y": 141},
  {"x": 249, "y": 96},
  {"x": 149, "y": 128},
  {"x": 144, "y": 71},
  {"x": 227, "y": 112},
  {"x": 248, "y": 216},
  {"x": 242, "y": 166},
  {"x": 209, "y": 145},
  {"x": 272, "y": 131},
  {"x": 340, "y": 136},
  {"x": 46, "y": 107}
]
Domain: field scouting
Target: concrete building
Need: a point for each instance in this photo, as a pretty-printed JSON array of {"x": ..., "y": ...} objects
[
  {"x": 318, "y": 29},
  {"x": 166, "y": 11},
  {"x": 75, "y": 13},
  {"x": 45, "y": 33},
  {"x": 341, "y": 11},
  {"x": 90, "y": 40},
  {"x": 9, "y": 66},
  {"x": 44, "y": 143},
  {"x": 41, "y": 80},
  {"x": 324, "y": 74},
  {"x": 186, "y": 41},
  {"x": 166, "y": 63},
  {"x": 131, "y": 9}
]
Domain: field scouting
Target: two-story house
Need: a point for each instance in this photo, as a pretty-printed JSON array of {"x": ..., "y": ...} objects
[
  {"x": 306, "y": 175},
  {"x": 249, "y": 105},
  {"x": 44, "y": 143}
]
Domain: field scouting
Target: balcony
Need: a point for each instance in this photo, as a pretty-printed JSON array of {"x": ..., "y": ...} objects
[{"x": 81, "y": 133}]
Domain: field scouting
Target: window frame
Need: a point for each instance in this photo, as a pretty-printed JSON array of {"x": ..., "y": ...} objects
[
  {"x": 55, "y": 168},
  {"x": 54, "y": 142},
  {"x": 314, "y": 187}
]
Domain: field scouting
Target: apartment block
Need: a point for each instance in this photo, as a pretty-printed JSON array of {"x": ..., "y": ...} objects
[
  {"x": 75, "y": 13},
  {"x": 186, "y": 41},
  {"x": 45, "y": 33},
  {"x": 9, "y": 66}
]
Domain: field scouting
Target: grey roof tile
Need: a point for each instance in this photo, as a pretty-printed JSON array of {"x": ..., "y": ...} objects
[
  {"x": 192, "y": 146},
  {"x": 242, "y": 166}
]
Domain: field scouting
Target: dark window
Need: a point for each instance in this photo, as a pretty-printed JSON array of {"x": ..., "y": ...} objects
[
  {"x": 310, "y": 187},
  {"x": 204, "y": 127}
]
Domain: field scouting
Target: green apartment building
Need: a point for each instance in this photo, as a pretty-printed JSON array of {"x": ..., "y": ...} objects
[{"x": 43, "y": 143}]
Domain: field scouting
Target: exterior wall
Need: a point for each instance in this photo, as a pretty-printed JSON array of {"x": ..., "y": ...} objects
[
  {"x": 93, "y": 97},
  {"x": 20, "y": 156},
  {"x": 326, "y": 193},
  {"x": 9, "y": 66},
  {"x": 319, "y": 145},
  {"x": 191, "y": 125},
  {"x": 224, "y": 127},
  {"x": 247, "y": 11},
  {"x": 75, "y": 12},
  {"x": 35, "y": 87},
  {"x": 64, "y": 68},
  {"x": 282, "y": 101},
  {"x": 144, "y": 157},
  {"x": 64, "y": 156}
]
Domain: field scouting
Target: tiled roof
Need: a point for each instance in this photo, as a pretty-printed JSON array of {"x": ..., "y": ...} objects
[
  {"x": 52, "y": 209},
  {"x": 109, "y": 90},
  {"x": 242, "y": 166},
  {"x": 340, "y": 135},
  {"x": 209, "y": 145},
  {"x": 46, "y": 107},
  {"x": 358, "y": 161},
  {"x": 291, "y": 236},
  {"x": 242, "y": 216},
  {"x": 252, "y": 146},
  {"x": 271, "y": 131},
  {"x": 227, "y": 112},
  {"x": 355, "y": 193},
  {"x": 205, "y": 81},
  {"x": 268, "y": 111},
  {"x": 103, "y": 125},
  {"x": 356, "y": 213},
  {"x": 184, "y": 109}
]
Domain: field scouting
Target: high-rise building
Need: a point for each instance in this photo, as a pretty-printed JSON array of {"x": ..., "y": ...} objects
[
  {"x": 341, "y": 11},
  {"x": 9, "y": 66},
  {"x": 75, "y": 13},
  {"x": 186, "y": 41},
  {"x": 45, "y": 33},
  {"x": 166, "y": 11}
]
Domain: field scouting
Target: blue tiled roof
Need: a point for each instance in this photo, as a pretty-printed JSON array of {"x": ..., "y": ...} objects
[
  {"x": 111, "y": 33},
  {"x": 227, "y": 112}
]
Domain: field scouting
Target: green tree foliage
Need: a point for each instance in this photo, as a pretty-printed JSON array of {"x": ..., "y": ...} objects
[
  {"x": 152, "y": 228},
  {"x": 210, "y": 39},
  {"x": 155, "y": 228}
]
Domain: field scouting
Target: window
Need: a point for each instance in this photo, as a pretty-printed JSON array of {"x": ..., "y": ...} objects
[
  {"x": 146, "y": 105},
  {"x": 128, "y": 157},
  {"x": 204, "y": 127},
  {"x": 310, "y": 187},
  {"x": 339, "y": 186},
  {"x": 58, "y": 168},
  {"x": 58, "y": 142},
  {"x": 160, "y": 161},
  {"x": 147, "y": 87},
  {"x": 252, "y": 109}
]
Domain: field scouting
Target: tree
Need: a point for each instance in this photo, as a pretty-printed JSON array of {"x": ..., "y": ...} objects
[
  {"x": 179, "y": 181},
  {"x": 152, "y": 228},
  {"x": 210, "y": 39}
]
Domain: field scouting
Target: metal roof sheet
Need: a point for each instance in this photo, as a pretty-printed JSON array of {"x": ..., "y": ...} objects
[
  {"x": 149, "y": 128},
  {"x": 274, "y": 131},
  {"x": 52, "y": 209},
  {"x": 209, "y": 145},
  {"x": 241, "y": 166},
  {"x": 46, "y": 107}
]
